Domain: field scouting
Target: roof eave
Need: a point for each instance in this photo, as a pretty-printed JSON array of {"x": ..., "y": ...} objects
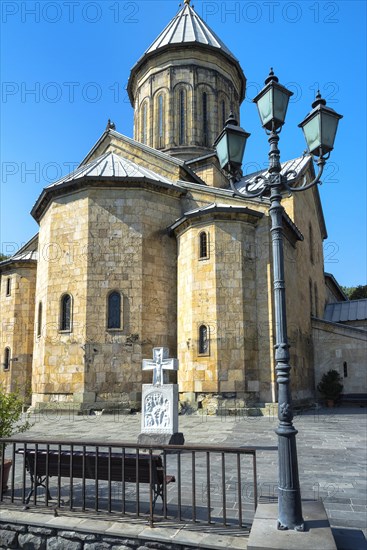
[
  {"x": 7, "y": 263},
  {"x": 77, "y": 184},
  {"x": 256, "y": 215}
]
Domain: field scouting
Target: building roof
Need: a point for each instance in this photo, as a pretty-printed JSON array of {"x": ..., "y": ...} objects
[
  {"x": 351, "y": 310},
  {"x": 27, "y": 253},
  {"x": 141, "y": 148},
  {"x": 335, "y": 287},
  {"x": 110, "y": 165},
  {"x": 298, "y": 165},
  {"x": 187, "y": 27},
  {"x": 109, "y": 168},
  {"x": 216, "y": 208}
]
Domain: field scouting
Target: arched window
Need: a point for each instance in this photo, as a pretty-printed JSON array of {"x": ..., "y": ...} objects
[
  {"x": 203, "y": 245},
  {"x": 39, "y": 320},
  {"x": 144, "y": 122},
  {"x": 8, "y": 286},
  {"x": 182, "y": 117},
  {"x": 6, "y": 359},
  {"x": 114, "y": 310},
  {"x": 205, "y": 119},
  {"x": 65, "y": 313},
  {"x": 203, "y": 340},
  {"x": 160, "y": 121},
  {"x": 223, "y": 113}
]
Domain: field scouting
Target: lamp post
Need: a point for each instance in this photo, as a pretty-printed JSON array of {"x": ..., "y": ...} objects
[{"x": 319, "y": 128}]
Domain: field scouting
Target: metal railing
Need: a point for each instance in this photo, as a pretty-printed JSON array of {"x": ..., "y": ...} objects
[{"x": 209, "y": 484}]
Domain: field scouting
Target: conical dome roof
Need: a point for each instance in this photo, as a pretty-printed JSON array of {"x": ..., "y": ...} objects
[{"x": 187, "y": 27}]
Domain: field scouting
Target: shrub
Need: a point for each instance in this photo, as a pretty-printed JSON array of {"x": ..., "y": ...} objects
[
  {"x": 331, "y": 384},
  {"x": 11, "y": 409}
]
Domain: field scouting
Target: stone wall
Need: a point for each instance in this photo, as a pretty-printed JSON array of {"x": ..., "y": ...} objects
[
  {"x": 305, "y": 288},
  {"x": 18, "y": 536},
  {"x": 336, "y": 345},
  {"x": 58, "y": 361},
  {"x": 92, "y": 243},
  {"x": 17, "y": 326}
]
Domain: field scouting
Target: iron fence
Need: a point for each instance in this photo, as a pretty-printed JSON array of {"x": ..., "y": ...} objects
[{"x": 198, "y": 484}]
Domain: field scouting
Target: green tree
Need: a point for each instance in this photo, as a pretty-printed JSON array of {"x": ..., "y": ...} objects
[
  {"x": 3, "y": 257},
  {"x": 359, "y": 292},
  {"x": 355, "y": 292}
]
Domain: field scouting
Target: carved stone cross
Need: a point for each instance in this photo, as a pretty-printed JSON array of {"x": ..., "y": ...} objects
[{"x": 161, "y": 362}]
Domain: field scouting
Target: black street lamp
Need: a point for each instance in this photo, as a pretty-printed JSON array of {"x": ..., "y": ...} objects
[{"x": 319, "y": 128}]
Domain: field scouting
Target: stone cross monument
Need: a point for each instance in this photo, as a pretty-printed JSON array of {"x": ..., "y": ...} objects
[
  {"x": 160, "y": 363},
  {"x": 159, "y": 414}
]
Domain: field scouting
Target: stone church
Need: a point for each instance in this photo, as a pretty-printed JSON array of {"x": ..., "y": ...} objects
[{"x": 144, "y": 245}]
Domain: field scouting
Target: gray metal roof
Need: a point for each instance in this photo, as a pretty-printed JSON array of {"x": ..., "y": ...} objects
[
  {"x": 299, "y": 165},
  {"x": 352, "y": 310},
  {"x": 219, "y": 207},
  {"x": 187, "y": 28},
  {"x": 109, "y": 166},
  {"x": 27, "y": 253},
  {"x": 215, "y": 208}
]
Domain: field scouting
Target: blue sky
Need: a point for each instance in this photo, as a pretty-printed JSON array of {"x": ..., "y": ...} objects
[{"x": 65, "y": 66}]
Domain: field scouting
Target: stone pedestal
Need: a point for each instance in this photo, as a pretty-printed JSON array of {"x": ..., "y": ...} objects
[
  {"x": 264, "y": 534},
  {"x": 161, "y": 439},
  {"x": 159, "y": 415}
]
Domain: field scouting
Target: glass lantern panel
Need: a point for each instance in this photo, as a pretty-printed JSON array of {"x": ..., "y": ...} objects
[
  {"x": 222, "y": 151},
  {"x": 329, "y": 125},
  {"x": 265, "y": 107},
  {"x": 237, "y": 143},
  {"x": 281, "y": 101},
  {"x": 312, "y": 134}
]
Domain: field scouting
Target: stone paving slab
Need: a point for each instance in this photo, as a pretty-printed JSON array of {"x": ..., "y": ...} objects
[{"x": 331, "y": 448}]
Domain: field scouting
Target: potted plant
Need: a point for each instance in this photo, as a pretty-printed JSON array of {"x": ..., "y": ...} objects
[
  {"x": 330, "y": 386},
  {"x": 11, "y": 423}
]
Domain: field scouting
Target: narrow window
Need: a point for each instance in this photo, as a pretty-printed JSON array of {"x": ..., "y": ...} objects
[
  {"x": 65, "y": 317},
  {"x": 8, "y": 286},
  {"x": 203, "y": 245},
  {"x": 182, "y": 117},
  {"x": 205, "y": 119},
  {"x": 203, "y": 340},
  {"x": 144, "y": 117},
  {"x": 345, "y": 369},
  {"x": 312, "y": 255},
  {"x": 316, "y": 293},
  {"x": 114, "y": 311},
  {"x": 160, "y": 121},
  {"x": 223, "y": 106},
  {"x": 39, "y": 320},
  {"x": 311, "y": 296},
  {"x": 6, "y": 363}
]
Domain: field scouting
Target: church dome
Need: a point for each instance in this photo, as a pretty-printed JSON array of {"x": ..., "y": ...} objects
[
  {"x": 188, "y": 28},
  {"x": 184, "y": 86}
]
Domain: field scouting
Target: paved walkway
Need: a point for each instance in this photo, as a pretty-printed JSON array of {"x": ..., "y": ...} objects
[{"x": 331, "y": 447}]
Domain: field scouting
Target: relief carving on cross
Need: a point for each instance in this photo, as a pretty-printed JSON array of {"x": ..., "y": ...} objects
[{"x": 161, "y": 362}]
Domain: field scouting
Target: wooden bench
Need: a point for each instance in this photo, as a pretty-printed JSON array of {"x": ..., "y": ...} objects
[
  {"x": 353, "y": 399},
  {"x": 126, "y": 468}
]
